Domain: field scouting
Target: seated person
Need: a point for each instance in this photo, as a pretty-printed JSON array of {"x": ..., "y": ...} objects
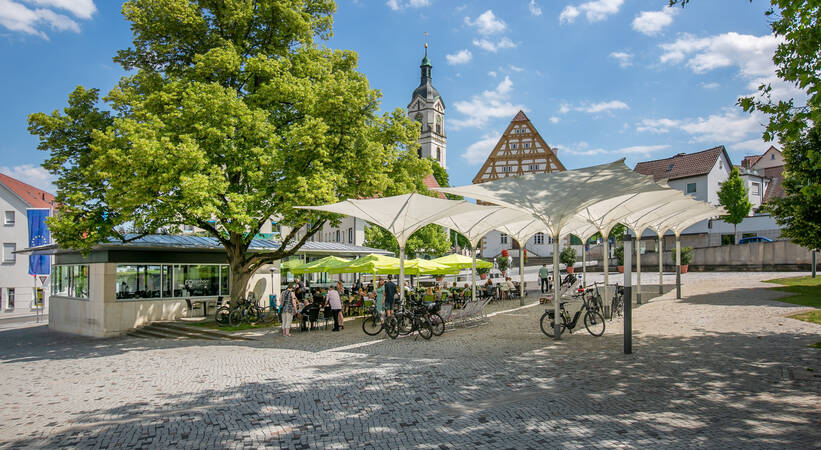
[
  {"x": 429, "y": 295},
  {"x": 507, "y": 288}
]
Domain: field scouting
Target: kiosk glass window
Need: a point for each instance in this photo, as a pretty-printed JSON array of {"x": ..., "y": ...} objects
[
  {"x": 224, "y": 280},
  {"x": 70, "y": 281}
]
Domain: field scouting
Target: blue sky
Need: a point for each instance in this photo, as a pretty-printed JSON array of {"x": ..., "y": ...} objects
[{"x": 599, "y": 79}]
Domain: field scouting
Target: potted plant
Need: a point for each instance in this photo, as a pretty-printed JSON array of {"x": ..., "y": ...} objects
[
  {"x": 482, "y": 271},
  {"x": 568, "y": 258},
  {"x": 686, "y": 257},
  {"x": 619, "y": 252},
  {"x": 503, "y": 263}
]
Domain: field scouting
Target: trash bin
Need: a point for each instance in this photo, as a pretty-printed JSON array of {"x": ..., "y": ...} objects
[{"x": 272, "y": 301}]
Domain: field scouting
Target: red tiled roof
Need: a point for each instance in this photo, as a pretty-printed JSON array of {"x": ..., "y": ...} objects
[
  {"x": 430, "y": 183},
  {"x": 749, "y": 161},
  {"x": 776, "y": 187},
  {"x": 520, "y": 117},
  {"x": 35, "y": 198},
  {"x": 683, "y": 165}
]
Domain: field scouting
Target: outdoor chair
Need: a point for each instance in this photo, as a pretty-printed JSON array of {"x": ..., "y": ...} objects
[
  {"x": 445, "y": 312},
  {"x": 197, "y": 302}
]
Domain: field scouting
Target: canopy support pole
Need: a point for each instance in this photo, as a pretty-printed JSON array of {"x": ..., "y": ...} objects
[
  {"x": 473, "y": 274},
  {"x": 606, "y": 255},
  {"x": 401, "y": 275},
  {"x": 678, "y": 266},
  {"x": 813, "y": 262},
  {"x": 661, "y": 264},
  {"x": 557, "y": 281},
  {"x": 638, "y": 268},
  {"x": 584, "y": 264},
  {"x": 521, "y": 274},
  {"x": 628, "y": 294}
]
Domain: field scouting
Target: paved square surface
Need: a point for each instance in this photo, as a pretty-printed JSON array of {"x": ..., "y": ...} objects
[{"x": 722, "y": 368}]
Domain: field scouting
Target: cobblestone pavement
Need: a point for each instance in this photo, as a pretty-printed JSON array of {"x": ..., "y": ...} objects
[{"x": 722, "y": 368}]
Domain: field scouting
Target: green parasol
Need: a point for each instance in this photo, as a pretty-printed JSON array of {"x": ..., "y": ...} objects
[{"x": 325, "y": 264}]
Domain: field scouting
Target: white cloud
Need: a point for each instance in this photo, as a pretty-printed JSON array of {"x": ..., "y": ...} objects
[
  {"x": 487, "y": 23},
  {"x": 583, "y": 149},
  {"x": 751, "y": 54},
  {"x": 477, "y": 152},
  {"x": 652, "y": 22},
  {"x": 494, "y": 46},
  {"x": 33, "y": 175},
  {"x": 728, "y": 128},
  {"x": 564, "y": 108},
  {"x": 657, "y": 126},
  {"x": 603, "y": 107},
  {"x": 554, "y": 119},
  {"x": 756, "y": 146},
  {"x": 396, "y": 5},
  {"x": 594, "y": 11},
  {"x": 516, "y": 68},
  {"x": 83, "y": 9},
  {"x": 15, "y": 16},
  {"x": 623, "y": 58},
  {"x": 460, "y": 57},
  {"x": 485, "y": 106},
  {"x": 492, "y": 73},
  {"x": 534, "y": 8},
  {"x": 710, "y": 85}
]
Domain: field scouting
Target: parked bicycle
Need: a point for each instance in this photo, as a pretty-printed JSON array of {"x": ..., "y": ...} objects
[
  {"x": 617, "y": 303},
  {"x": 372, "y": 325},
  {"x": 593, "y": 319},
  {"x": 406, "y": 321}
]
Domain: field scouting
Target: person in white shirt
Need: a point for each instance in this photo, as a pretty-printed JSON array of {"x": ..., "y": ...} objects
[
  {"x": 507, "y": 287},
  {"x": 335, "y": 302}
]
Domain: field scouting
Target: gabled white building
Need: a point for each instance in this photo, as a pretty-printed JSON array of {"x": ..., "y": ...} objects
[{"x": 17, "y": 287}]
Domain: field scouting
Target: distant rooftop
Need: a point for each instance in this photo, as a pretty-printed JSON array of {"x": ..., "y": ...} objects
[
  {"x": 683, "y": 165},
  {"x": 33, "y": 197}
]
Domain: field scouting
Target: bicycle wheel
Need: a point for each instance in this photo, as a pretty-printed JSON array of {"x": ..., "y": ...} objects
[
  {"x": 594, "y": 322},
  {"x": 422, "y": 325},
  {"x": 437, "y": 324},
  {"x": 547, "y": 325},
  {"x": 267, "y": 314},
  {"x": 253, "y": 314},
  {"x": 391, "y": 327},
  {"x": 404, "y": 323},
  {"x": 235, "y": 316},
  {"x": 221, "y": 316},
  {"x": 371, "y": 325}
]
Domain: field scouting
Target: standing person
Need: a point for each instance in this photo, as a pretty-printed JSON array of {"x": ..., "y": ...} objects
[
  {"x": 380, "y": 298},
  {"x": 334, "y": 301},
  {"x": 543, "y": 278},
  {"x": 390, "y": 296},
  {"x": 288, "y": 309},
  {"x": 341, "y": 316}
]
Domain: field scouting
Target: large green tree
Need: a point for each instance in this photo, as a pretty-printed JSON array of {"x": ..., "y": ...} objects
[
  {"x": 795, "y": 123},
  {"x": 231, "y": 114},
  {"x": 733, "y": 196}
]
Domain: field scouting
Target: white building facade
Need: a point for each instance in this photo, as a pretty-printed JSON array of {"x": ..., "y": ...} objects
[{"x": 18, "y": 289}]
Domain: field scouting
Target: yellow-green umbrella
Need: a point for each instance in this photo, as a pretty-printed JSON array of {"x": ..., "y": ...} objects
[
  {"x": 291, "y": 263},
  {"x": 372, "y": 263},
  {"x": 325, "y": 264},
  {"x": 423, "y": 267},
  {"x": 462, "y": 262}
]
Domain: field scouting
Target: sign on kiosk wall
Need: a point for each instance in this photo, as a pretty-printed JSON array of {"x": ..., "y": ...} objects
[{"x": 38, "y": 235}]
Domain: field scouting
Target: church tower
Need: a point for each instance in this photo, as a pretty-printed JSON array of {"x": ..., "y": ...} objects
[{"x": 427, "y": 108}]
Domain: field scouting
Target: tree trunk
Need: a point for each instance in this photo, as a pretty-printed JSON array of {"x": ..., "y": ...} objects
[{"x": 239, "y": 274}]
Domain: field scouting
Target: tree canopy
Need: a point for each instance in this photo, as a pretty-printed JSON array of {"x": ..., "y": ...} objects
[
  {"x": 733, "y": 196},
  {"x": 231, "y": 114}
]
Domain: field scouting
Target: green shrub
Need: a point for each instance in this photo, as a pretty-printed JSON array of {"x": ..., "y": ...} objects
[
  {"x": 568, "y": 256},
  {"x": 503, "y": 262},
  {"x": 686, "y": 255},
  {"x": 619, "y": 252}
]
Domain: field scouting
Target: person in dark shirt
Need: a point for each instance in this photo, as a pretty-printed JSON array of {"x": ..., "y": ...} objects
[{"x": 390, "y": 296}]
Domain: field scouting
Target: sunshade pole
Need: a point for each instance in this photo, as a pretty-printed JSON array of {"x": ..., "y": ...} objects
[
  {"x": 628, "y": 294},
  {"x": 521, "y": 274},
  {"x": 401, "y": 275},
  {"x": 661, "y": 263},
  {"x": 678, "y": 266},
  {"x": 557, "y": 281},
  {"x": 605, "y": 256},
  {"x": 473, "y": 274},
  {"x": 584, "y": 263}
]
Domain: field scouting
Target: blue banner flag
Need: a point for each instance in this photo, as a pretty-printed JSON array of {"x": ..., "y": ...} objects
[{"x": 38, "y": 235}]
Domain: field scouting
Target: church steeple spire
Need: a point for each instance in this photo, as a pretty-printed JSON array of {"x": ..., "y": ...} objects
[
  {"x": 428, "y": 108},
  {"x": 426, "y": 66}
]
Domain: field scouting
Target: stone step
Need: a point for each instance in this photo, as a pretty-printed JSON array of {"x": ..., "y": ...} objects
[
  {"x": 200, "y": 333},
  {"x": 189, "y": 334},
  {"x": 149, "y": 333}
]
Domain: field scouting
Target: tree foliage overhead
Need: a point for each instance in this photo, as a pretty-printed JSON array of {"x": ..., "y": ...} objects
[
  {"x": 733, "y": 196},
  {"x": 231, "y": 114}
]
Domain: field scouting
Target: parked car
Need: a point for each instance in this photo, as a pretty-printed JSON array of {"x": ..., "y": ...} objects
[{"x": 750, "y": 239}]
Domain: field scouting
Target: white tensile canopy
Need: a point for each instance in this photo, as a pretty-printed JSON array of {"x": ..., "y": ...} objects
[
  {"x": 557, "y": 197},
  {"x": 401, "y": 215}
]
